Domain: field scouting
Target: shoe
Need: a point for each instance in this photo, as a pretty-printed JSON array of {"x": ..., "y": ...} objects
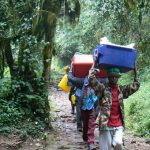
[
  {"x": 79, "y": 129},
  {"x": 85, "y": 142},
  {"x": 92, "y": 147},
  {"x": 85, "y": 139},
  {"x": 72, "y": 112}
]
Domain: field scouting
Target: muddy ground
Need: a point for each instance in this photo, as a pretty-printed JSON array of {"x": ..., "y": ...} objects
[{"x": 64, "y": 135}]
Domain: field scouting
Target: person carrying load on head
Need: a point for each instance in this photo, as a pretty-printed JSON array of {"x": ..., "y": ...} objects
[
  {"x": 74, "y": 95},
  {"x": 72, "y": 90},
  {"x": 86, "y": 102},
  {"x": 111, "y": 115}
]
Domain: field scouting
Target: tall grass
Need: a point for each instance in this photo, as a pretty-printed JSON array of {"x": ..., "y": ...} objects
[{"x": 137, "y": 107}]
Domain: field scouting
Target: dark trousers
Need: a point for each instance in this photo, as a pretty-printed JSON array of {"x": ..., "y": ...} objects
[
  {"x": 78, "y": 114},
  {"x": 88, "y": 125}
]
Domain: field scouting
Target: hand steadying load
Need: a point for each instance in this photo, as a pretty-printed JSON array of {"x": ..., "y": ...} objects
[{"x": 93, "y": 72}]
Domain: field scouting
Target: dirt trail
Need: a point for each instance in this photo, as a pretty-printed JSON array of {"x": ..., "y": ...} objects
[{"x": 66, "y": 137}]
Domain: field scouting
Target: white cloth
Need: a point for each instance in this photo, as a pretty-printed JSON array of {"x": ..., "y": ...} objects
[
  {"x": 111, "y": 139},
  {"x": 105, "y": 41}
]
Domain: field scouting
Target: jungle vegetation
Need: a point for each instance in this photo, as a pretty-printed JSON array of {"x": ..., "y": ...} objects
[{"x": 38, "y": 38}]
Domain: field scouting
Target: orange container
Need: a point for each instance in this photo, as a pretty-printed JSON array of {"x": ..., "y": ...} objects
[{"x": 81, "y": 65}]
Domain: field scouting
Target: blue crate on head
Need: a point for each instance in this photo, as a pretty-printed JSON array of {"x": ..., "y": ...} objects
[{"x": 115, "y": 56}]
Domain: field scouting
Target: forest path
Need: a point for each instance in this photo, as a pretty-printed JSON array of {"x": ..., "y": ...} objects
[{"x": 66, "y": 137}]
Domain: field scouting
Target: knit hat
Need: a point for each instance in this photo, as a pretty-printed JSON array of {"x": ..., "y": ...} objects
[
  {"x": 113, "y": 72},
  {"x": 66, "y": 69}
]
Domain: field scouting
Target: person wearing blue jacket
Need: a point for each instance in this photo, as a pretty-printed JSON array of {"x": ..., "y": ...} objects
[{"x": 87, "y": 100}]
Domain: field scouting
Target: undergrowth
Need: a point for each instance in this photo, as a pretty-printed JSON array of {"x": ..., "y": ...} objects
[
  {"x": 22, "y": 112},
  {"x": 137, "y": 107},
  {"x": 57, "y": 71}
]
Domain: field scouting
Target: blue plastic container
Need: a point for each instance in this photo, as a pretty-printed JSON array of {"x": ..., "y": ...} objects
[{"x": 115, "y": 56}]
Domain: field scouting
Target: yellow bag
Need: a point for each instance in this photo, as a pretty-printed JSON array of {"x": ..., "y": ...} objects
[
  {"x": 73, "y": 99},
  {"x": 63, "y": 84}
]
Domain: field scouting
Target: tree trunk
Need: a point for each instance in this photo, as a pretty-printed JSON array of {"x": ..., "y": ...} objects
[
  {"x": 9, "y": 59},
  {"x": 1, "y": 63},
  {"x": 47, "y": 56}
]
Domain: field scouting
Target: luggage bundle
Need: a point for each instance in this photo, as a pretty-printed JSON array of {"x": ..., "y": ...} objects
[
  {"x": 111, "y": 55},
  {"x": 104, "y": 56}
]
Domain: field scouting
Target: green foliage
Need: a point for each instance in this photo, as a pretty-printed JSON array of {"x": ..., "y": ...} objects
[
  {"x": 5, "y": 85},
  {"x": 113, "y": 19},
  {"x": 26, "y": 35},
  {"x": 80, "y": 38},
  {"x": 24, "y": 112},
  {"x": 9, "y": 111},
  {"x": 57, "y": 71},
  {"x": 137, "y": 108},
  {"x": 145, "y": 75},
  {"x": 34, "y": 128},
  {"x": 126, "y": 78}
]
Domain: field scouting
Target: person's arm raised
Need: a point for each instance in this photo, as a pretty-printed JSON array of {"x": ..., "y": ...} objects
[
  {"x": 94, "y": 83},
  {"x": 128, "y": 90}
]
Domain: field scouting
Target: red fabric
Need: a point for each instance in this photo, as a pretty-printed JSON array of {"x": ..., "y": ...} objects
[
  {"x": 88, "y": 125},
  {"x": 115, "y": 118}
]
